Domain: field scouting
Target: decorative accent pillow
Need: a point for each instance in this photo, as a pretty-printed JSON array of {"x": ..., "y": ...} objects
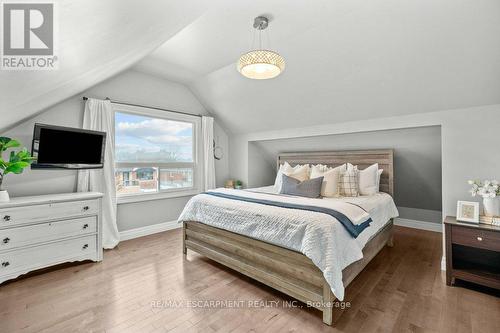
[
  {"x": 310, "y": 188},
  {"x": 348, "y": 183},
  {"x": 368, "y": 180},
  {"x": 379, "y": 173},
  {"x": 299, "y": 172},
  {"x": 330, "y": 185}
]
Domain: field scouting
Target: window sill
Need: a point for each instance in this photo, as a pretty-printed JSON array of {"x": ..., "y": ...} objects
[{"x": 125, "y": 199}]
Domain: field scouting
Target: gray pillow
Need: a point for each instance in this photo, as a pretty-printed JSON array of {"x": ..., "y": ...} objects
[{"x": 310, "y": 188}]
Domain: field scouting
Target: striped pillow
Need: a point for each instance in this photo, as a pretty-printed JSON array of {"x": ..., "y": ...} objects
[{"x": 348, "y": 183}]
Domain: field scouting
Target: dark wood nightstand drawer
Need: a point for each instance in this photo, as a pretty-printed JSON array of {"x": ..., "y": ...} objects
[
  {"x": 472, "y": 253},
  {"x": 474, "y": 237}
]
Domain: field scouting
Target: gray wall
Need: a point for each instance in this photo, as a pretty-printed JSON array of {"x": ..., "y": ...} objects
[
  {"x": 129, "y": 86},
  {"x": 417, "y": 162},
  {"x": 261, "y": 166},
  {"x": 469, "y": 142}
]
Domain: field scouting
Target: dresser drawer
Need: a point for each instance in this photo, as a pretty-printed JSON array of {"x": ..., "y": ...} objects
[
  {"x": 28, "y": 214},
  {"x": 44, "y": 232},
  {"x": 35, "y": 257},
  {"x": 484, "y": 239}
]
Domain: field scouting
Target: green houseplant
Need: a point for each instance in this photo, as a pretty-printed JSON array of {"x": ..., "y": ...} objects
[
  {"x": 16, "y": 162},
  {"x": 238, "y": 185}
]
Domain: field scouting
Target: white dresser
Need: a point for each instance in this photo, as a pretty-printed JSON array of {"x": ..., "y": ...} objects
[{"x": 46, "y": 230}]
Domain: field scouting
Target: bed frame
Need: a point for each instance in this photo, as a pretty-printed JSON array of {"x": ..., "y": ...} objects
[{"x": 285, "y": 270}]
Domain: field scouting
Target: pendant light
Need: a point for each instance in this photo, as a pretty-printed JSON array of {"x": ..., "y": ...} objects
[{"x": 261, "y": 64}]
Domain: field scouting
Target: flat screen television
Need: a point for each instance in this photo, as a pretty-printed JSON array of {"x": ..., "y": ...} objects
[{"x": 56, "y": 147}]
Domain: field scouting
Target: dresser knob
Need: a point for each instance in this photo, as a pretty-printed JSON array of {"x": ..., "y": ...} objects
[
  {"x": 6, "y": 218},
  {"x": 85, "y": 246},
  {"x": 85, "y": 226},
  {"x": 85, "y": 208},
  {"x": 6, "y": 240},
  {"x": 480, "y": 238},
  {"x": 5, "y": 264}
]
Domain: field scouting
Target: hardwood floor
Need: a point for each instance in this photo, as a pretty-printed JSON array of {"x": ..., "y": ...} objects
[{"x": 401, "y": 290}]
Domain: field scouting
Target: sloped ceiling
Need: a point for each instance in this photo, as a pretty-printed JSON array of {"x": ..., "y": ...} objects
[
  {"x": 97, "y": 39},
  {"x": 346, "y": 60}
]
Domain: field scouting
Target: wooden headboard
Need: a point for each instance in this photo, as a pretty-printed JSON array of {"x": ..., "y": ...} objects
[{"x": 361, "y": 158}]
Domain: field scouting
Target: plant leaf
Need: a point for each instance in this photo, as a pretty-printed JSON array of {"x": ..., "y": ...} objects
[
  {"x": 12, "y": 144},
  {"x": 16, "y": 167},
  {"x": 25, "y": 155},
  {"x": 6, "y": 143},
  {"x": 13, "y": 156},
  {"x": 3, "y": 141},
  {"x": 17, "y": 160},
  {"x": 20, "y": 156}
]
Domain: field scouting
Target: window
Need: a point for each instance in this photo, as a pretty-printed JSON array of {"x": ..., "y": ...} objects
[{"x": 155, "y": 153}]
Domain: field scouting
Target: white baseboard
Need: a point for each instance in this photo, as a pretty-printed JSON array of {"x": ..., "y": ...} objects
[
  {"x": 443, "y": 263},
  {"x": 430, "y": 226},
  {"x": 149, "y": 230}
]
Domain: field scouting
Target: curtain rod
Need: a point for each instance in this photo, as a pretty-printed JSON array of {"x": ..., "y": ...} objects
[{"x": 145, "y": 106}]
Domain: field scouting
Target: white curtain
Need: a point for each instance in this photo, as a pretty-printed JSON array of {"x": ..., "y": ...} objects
[
  {"x": 207, "y": 129},
  {"x": 99, "y": 116}
]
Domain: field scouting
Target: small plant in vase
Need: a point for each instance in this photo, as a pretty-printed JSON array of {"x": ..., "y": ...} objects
[
  {"x": 489, "y": 190},
  {"x": 15, "y": 163},
  {"x": 238, "y": 185}
]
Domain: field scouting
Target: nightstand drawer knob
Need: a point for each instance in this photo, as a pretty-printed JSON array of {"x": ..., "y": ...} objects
[
  {"x": 85, "y": 246},
  {"x": 85, "y": 226},
  {"x": 6, "y": 218},
  {"x": 6, "y": 240},
  {"x": 85, "y": 208},
  {"x": 480, "y": 238},
  {"x": 5, "y": 264}
]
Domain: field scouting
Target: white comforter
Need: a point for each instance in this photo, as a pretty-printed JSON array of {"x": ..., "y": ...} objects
[{"x": 318, "y": 236}]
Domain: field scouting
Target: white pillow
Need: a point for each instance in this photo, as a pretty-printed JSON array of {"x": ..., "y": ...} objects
[
  {"x": 329, "y": 187},
  {"x": 379, "y": 173},
  {"x": 368, "y": 180},
  {"x": 299, "y": 172}
]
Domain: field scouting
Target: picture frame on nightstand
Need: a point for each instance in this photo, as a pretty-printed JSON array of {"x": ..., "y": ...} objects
[{"x": 468, "y": 211}]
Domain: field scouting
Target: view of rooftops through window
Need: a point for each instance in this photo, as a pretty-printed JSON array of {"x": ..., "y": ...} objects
[{"x": 152, "y": 154}]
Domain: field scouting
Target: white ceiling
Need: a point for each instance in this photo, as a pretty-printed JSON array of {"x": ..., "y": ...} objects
[
  {"x": 97, "y": 39},
  {"x": 221, "y": 34},
  {"x": 346, "y": 59}
]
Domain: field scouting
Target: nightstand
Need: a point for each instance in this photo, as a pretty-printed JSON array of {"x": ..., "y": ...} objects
[{"x": 472, "y": 253}]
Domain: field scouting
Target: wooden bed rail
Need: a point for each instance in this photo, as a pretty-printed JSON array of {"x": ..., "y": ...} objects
[
  {"x": 285, "y": 270},
  {"x": 282, "y": 269}
]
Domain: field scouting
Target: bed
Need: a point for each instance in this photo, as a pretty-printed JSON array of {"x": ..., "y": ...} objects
[{"x": 315, "y": 273}]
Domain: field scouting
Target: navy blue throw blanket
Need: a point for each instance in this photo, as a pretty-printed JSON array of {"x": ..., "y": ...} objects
[{"x": 353, "y": 229}]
